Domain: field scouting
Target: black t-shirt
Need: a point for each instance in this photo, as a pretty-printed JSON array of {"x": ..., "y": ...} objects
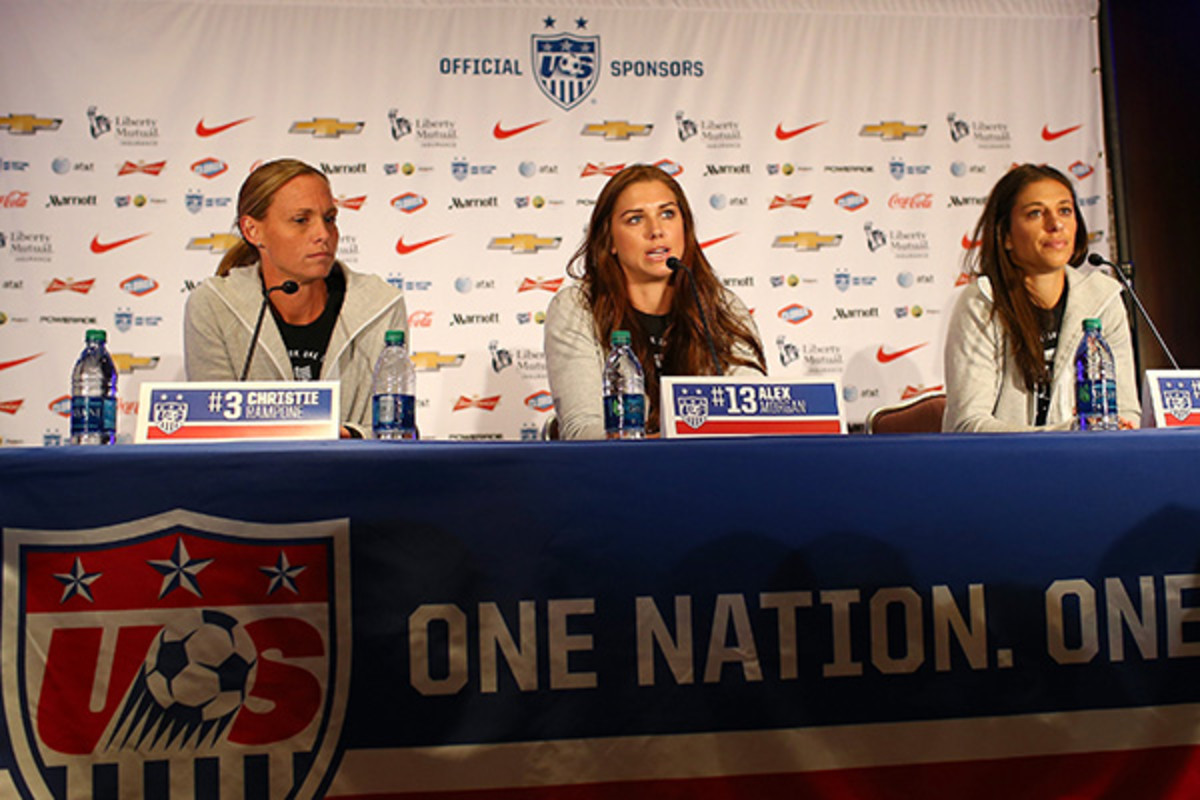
[
  {"x": 306, "y": 344},
  {"x": 1050, "y": 320},
  {"x": 655, "y": 326}
]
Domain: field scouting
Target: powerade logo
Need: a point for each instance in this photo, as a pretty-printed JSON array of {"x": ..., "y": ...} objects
[{"x": 565, "y": 65}]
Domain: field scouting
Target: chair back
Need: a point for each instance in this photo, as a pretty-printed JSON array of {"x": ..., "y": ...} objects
[{"x": 920, "y": 414}]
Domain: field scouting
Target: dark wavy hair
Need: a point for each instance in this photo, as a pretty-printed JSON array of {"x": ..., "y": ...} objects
[
  {"x": 254, "y": 198},
  {"x": 1010, "y": 299},
  {"x": 686, "y": 348}
]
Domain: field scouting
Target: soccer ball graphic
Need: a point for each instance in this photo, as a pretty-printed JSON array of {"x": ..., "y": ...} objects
[{"x": 202, "y": 667}]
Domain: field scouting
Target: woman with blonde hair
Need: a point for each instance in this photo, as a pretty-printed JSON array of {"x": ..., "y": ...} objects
[
  {"x": 640, "y": 223},
  {"x": 328, "y": 322}
]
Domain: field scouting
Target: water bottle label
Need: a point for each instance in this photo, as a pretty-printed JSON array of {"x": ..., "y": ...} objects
[
  {"x": 624, "y": 412},
  {"x": 93, "y": 415},
  {"x": 393, "y": 413}
]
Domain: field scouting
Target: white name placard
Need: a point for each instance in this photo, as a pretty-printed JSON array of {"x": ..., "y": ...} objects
[
  {"x": 750, "y": 406},
  {"x": 254, "y": 410},
  {"x": 1171, "y": 398}
]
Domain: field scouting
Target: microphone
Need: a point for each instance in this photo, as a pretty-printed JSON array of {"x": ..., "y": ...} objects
[
  {"x": 287, "y": 287},
  {"x": 674, "y": 264},
  {"x": 1097, "y": 260}
]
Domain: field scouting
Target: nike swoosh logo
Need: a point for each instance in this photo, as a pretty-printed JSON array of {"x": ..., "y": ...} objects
[
  {"x": 1050, "y": 135},
  {"x": 404, "y": 249},
  {"x": 18, "y": 362},
  {"x": 717, "y": 240},
  {"x": 97, "y": 247},
  {"x": 886, "y": 357},
  {"x": 505, "y": 133},
  {"x": 783, "y": 135},
  {"x": 204, "y": 130}
]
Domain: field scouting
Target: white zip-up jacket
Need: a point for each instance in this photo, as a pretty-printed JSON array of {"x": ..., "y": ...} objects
[
  {"x": 984, "y": 388},
  {"x": 219, "y": 321}
]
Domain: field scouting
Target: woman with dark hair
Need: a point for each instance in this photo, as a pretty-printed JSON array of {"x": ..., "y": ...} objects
[
  {"x": 1011, "y": 342},
  {"x": 641, "y": 220},
  {"x": 330, "y": 327}
]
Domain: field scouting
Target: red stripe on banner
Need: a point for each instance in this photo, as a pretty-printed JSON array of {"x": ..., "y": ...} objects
[
  {"x": 1174, "y": 422},
  {"x": 764, "y": 427},
  {"x": 284, "y": 431},
  {"x": 1169, "y": 773}
]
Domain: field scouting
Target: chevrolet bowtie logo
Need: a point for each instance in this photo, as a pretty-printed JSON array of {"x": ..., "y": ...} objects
[
  {"x": 612, "y": 130},
  {"x": 128, "y": 362},
  {"x": 217, "y": 243},
  {"x": 892, "y": 130},
  {"x": 808, "y": 240},
  {"x": 326, "y": 127},
  {"x": 432, "y": 361},
  {"x": 524, "y": 242},
  {"x": 28, "y": 124}
]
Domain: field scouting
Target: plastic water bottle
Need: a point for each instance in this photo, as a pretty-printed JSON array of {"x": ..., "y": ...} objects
[
  {"x": 94, "y": 393},
  {"x": 624, "y": 391},
  {"x": 393, "y": 390},
  {"x": 1095, "y": 381}
]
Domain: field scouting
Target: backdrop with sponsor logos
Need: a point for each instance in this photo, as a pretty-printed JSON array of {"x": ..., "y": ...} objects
[{"x": 837, "y": 156}]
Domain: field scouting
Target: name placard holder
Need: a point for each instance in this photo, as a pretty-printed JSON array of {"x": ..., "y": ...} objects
[
  {"x": 172, "y": 413},
  {"x": 1171, "y": 398},
  {"x": 750, "y": 406}
]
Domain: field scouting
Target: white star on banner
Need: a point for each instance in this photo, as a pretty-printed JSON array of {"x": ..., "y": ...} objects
[
  {"x": 282, "y": 574},
  {"x": 181, "y": 570},
  {"x": 77, "y": 582}
]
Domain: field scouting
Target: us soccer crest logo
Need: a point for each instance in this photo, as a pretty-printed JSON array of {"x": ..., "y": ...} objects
[
  {"x": 566, "y": 67},
  {"x": 1178, "y": 403},
  {"x": 692, "y": 409},
  {"x": 179, "y": 654}
]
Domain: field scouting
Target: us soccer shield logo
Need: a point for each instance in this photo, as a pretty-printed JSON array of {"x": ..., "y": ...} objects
[
  {"x": 566, "y": 67},
  {"x": 1178, "y": 403},
  {"x": 179, "y": 654},
  {"x": 169, "y": 415},
  {"x": 692, "y": 409}
]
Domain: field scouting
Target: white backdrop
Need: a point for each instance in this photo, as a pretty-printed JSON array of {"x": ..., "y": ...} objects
[{"x": 836, "y": 154}]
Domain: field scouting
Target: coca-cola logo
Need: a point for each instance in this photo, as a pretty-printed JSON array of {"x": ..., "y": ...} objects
[
  {"x": 420, "y": 319},
  {"x": 14, "y": 199},
  {"x": 918, "y": 200}
]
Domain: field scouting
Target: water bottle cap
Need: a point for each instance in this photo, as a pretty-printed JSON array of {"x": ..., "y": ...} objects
[
  {"x": 619, "y": 338},
  {"x": 1091, "y": 324},
  {"x": 95, "y": 335},
  {"x": 393, "y": 337}
]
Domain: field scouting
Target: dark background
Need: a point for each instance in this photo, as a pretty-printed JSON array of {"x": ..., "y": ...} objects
[{"x": 1155, "y": 150}]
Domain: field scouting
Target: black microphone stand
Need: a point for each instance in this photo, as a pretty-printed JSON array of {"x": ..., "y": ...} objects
[
  {"x": 1096, "y": 260},
  {"x": 287, "y": 287},
  {"x": 675, "y": 264}
]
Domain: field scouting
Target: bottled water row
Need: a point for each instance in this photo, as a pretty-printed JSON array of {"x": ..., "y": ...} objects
[{"x": 393, "y": 389}]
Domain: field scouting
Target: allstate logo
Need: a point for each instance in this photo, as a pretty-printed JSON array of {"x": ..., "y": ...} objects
[{"x": 566, "y": 67}]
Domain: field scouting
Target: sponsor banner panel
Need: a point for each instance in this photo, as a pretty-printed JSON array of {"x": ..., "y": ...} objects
[{"x": 835, "y": 166}]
